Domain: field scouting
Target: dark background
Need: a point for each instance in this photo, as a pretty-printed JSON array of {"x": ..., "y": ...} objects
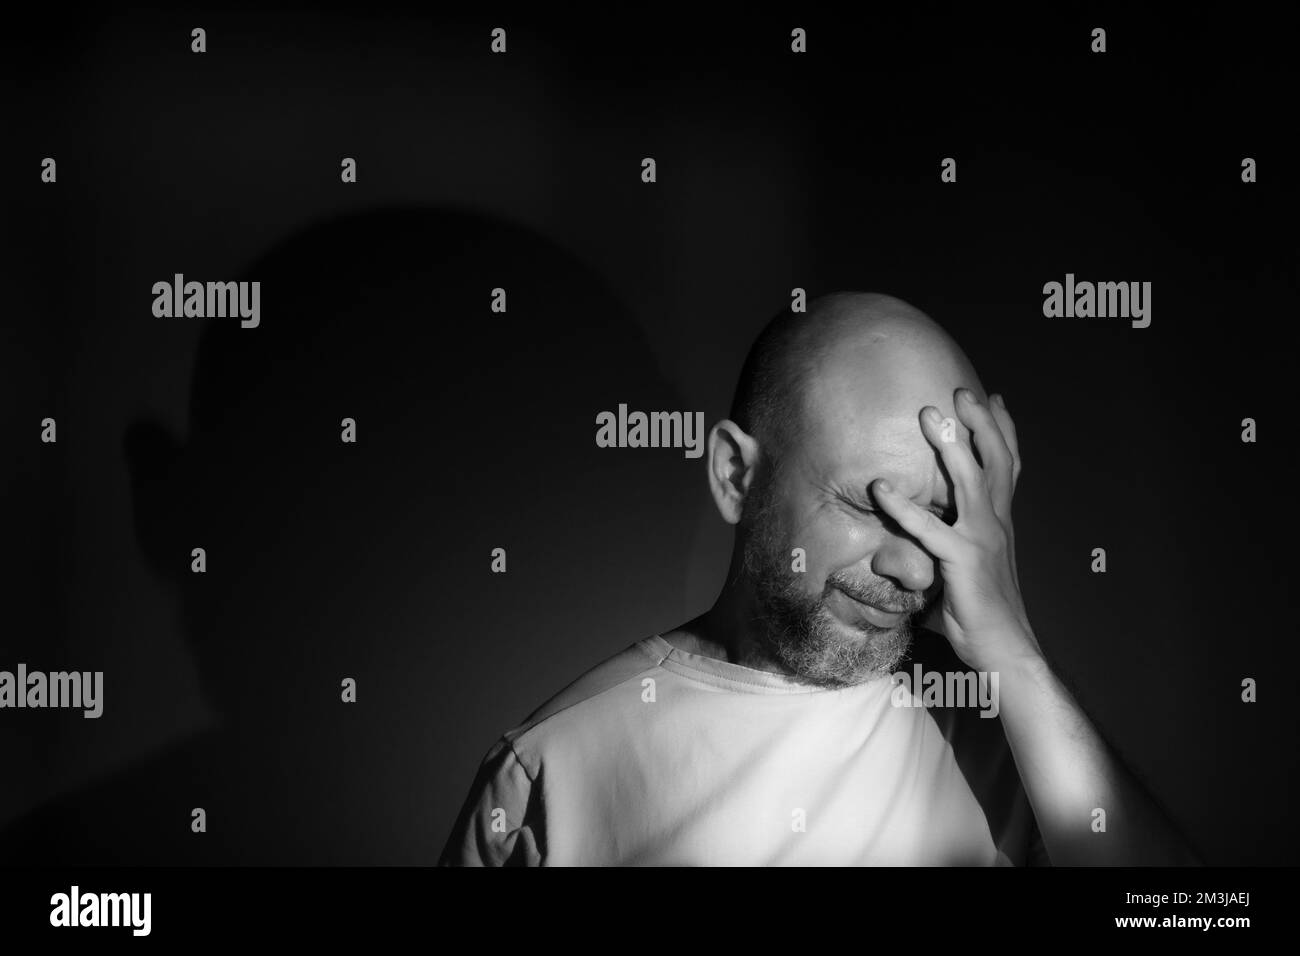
[{"x": 476, "y": 430}]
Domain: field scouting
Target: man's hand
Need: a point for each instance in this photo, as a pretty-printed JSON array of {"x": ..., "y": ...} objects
[
  {"x": 983, "y": 612},
  {"x": 1073, "y": 780}
]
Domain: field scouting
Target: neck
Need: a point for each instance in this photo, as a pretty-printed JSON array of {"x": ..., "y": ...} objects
[{"x": 728, "y": 631}]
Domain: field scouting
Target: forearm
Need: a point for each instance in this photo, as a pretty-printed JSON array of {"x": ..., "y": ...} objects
[{"x": 1069, "y": 774}]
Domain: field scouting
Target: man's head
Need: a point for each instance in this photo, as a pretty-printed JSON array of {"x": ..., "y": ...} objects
[{"x": 827, "y": 402}]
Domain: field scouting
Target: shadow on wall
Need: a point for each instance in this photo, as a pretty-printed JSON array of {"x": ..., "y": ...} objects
[{"x": 372, "y": 561}]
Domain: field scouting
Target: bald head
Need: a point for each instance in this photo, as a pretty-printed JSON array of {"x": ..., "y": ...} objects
[
  {"x": 828, "y": 402},
  {"x": 853, "y": 354}
]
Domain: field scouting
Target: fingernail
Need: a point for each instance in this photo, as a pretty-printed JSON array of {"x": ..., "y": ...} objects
[
  {"x": 933, "y": 415},
  {"x": 882, "y": 485}
]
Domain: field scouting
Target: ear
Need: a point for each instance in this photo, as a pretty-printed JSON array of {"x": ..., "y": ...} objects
[
  {"x": 153, "y": 456},
  {"x": 733, "y": 460}
]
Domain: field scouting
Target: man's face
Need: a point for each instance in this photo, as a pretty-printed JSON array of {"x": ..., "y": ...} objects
[{"x": 847, "y": 617}]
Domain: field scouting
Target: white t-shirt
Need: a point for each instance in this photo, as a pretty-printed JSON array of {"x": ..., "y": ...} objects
[{"x": 662, "y": 757}]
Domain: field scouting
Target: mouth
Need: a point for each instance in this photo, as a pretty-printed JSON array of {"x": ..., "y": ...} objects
[{"x": 870, "y": 613}]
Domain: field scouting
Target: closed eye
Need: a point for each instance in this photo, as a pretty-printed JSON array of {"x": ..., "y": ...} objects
[
  {"x": 858, "y": 506},
  {"x": 946, "y": 515}
]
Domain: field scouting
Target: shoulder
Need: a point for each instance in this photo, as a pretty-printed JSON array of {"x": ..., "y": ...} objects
[
  {"x": 501, "y": 820},
  {"x": 583, "y": 702},
  {"x": 594, "y": 691}
]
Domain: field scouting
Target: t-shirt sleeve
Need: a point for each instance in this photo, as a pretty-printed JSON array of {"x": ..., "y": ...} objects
[{"x": 500, "y": 823}]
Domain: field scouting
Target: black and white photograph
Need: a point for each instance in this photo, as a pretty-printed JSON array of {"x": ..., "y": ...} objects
[{"x": 443, "y": 438}]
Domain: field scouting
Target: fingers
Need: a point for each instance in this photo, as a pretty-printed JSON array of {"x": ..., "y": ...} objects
[
  {"x": 998, "y": 407},
  {"x": 925, "y": 526},
  {"x": 969, "y": 485},
  {"x": 994, "y": 453}
]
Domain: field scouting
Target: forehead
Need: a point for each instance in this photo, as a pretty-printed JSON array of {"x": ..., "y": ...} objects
[{"x": 863, "y": 420}]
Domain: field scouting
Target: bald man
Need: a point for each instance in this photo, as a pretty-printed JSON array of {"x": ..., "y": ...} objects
[{"x": 869, "y": 476}]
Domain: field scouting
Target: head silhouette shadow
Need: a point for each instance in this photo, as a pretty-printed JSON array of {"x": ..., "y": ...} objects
[{"x": 372, "y": 560}]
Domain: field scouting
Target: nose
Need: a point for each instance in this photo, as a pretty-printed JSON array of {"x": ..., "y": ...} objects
[{"x": 901, "y": 559}]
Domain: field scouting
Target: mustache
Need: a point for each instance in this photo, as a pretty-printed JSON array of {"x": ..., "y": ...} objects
[{"x": 881, "y": 596}]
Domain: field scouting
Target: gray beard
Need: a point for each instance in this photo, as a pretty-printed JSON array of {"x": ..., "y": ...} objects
[{"x": 798, "y": 632}]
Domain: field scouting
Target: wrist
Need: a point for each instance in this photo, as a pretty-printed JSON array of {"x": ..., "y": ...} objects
[{"x": 1019, "y": 656}]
